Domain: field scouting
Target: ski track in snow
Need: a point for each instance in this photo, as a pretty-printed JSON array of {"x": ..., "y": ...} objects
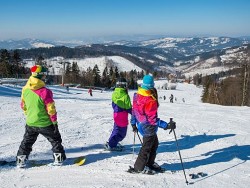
[{"x": 213, "y": 139}]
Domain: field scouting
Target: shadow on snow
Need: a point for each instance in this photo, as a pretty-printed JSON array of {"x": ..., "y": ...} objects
[{"x": 186, "y": 142}]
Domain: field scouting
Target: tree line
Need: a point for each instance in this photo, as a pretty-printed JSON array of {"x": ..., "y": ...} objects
[
  {"x": 230, "y": 88},
  {"x": 11, "y": 65},
  {"x": 92, "y": 77}
]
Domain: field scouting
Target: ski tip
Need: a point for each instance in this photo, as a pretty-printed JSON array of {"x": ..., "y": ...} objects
[{"x": 80, "y": 161}]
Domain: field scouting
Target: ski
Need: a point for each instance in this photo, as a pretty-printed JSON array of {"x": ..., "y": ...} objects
[
  {"x": 77, "y": 161},
  {"x": 198, "y": 175}
]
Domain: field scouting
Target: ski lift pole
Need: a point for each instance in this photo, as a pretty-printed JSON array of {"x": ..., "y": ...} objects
[{"x": 177, "y": 145}]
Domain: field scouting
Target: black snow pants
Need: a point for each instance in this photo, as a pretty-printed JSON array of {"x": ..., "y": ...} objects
[
  {"x": 147, "y": 152},
  {"x": 31, "y": 134}
]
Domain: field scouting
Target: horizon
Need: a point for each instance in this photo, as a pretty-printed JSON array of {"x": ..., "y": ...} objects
[{"x": 92, "y": 20}]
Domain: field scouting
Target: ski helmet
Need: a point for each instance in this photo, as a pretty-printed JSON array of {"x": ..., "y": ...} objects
[{"x": 122, "y": 83}]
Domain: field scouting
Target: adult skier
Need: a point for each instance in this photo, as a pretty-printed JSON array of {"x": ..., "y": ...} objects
[
  {"x": 145, "y": 120},
  {"x": 171, "y": 98},
  {"x": 41, "y": 117}
]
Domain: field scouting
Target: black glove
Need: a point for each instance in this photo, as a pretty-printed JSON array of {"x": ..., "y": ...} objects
[
  {"x": 135, "y": 130},
  {"x": 56, "y": 130},
  {"x": 171, "y": 125}
]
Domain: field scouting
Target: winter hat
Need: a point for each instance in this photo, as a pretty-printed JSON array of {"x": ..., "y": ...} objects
[
  {"x": 38, "y": 71},
  {"x": 121, "y": 82},
  {"x": 148, "y": 82}
]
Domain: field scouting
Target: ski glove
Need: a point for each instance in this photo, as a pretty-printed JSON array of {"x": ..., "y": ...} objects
[
  {"x": 56, "y": 130},
  {"x": 135, "y": 130},
  {"x": 171, "y": 125},
  {"x": 162, "y": 124}
]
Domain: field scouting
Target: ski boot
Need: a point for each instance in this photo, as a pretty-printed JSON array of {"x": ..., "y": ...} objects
[
  {"x": 146, "y": 170},
  {"x": 108, "y": 148},
  {"x": 121, "y": 146},
  {"x": 21, "y": 161},
  {"x": 157, "y": 168},
  {"x": 58, "y": 159}
]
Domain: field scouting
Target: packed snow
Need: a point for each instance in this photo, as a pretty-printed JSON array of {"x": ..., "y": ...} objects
[{"x": 212, "y": 139}]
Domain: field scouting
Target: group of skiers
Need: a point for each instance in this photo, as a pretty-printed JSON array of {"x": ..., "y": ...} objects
[
  {"x": 41, "y": 118},
  {"x": 171, "y": 98}
]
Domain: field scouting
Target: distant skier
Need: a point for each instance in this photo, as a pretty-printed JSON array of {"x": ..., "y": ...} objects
[
  {"x": 41, "y": 117},
  {"x": 90, "y": 92},
  {"x": 144, "y": 119},
  {"x": 171, "y": 98},
  {"x": 67, "y": 88},
  {"x": 164, "y": 97},
  {"x": 122, "y": 107}
]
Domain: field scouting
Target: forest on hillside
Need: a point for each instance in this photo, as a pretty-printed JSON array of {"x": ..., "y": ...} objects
[
  {"x": 230, "y": 88},
  {"x": 225, "y": 88}
]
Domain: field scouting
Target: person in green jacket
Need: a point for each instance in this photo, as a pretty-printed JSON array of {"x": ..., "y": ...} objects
[
  {"x": 41, "y": 117},
  {"x": 122, "y": 107}
]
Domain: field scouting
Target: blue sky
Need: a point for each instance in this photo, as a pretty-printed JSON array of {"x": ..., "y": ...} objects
[{"x": 76, "y": 19}]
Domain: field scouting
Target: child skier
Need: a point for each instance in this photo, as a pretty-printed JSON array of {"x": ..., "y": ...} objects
[
  {"x": 41, "y": 117},
  {"x": 122, "y": 106},
  {"x": 144, "y": 114}
]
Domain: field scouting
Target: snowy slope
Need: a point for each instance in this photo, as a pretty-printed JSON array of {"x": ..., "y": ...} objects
[
  {"x": 213, "y": 139},
  {"x": 55, "y": 68}
]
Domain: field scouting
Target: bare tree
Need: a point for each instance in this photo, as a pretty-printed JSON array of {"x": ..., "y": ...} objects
[{"x": 245, "y": 66}]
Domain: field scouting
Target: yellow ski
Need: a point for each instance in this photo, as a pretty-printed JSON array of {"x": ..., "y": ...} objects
[{"x": 80, "y": 161}]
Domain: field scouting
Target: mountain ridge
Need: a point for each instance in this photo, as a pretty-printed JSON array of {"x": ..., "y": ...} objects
[{"x": 167, "y": 54}]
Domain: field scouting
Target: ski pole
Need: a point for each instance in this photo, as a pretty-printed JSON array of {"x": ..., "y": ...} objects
[
  {"x": 177, "y": 145},
  {"x": 139, "y": 137},
  {"x": 134, "y": 146}
]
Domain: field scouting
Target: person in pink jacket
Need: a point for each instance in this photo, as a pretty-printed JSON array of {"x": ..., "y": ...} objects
[{"x": 145, "y": 120}]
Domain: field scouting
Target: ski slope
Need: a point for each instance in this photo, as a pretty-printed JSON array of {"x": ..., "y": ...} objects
[{"x": 213, "y": 139}]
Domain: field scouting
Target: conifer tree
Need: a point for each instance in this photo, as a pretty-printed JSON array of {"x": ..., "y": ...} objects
[
  {"x": 40, "y": 61},
  {"x": 67, "y": 74},
  {"x": 16, "y": 63},
  {"x": 88, "y": 78},
  {"x": 116, "y": 72},
  {"x": 206, "y": 89},
  {"x": 4, "y": 63},
  {"x": 105, "y": 78},
  {"x": 96, "y": 76},
  {"x": 75, "y": 73}
]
